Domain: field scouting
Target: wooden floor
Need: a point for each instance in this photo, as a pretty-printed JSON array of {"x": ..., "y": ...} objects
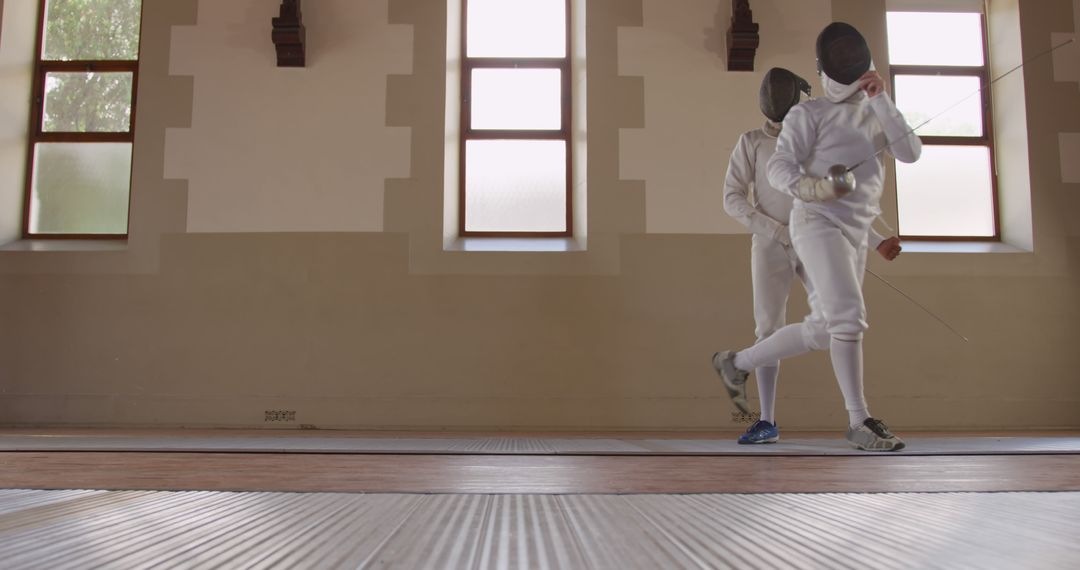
[
  {"x": 197, "y": 509},
  {"x": 535, "y": 474},
  {"x": 169, "y": 469},
  {"x": 670, "y": 444}
]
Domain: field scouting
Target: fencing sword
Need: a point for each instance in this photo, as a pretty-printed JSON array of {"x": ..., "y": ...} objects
[
  {"x": 917, "y": 304},
  {"x": 840, "y": 171},
  {"x": 842, "y": 175},
  {"x": 909, "y": 297}
]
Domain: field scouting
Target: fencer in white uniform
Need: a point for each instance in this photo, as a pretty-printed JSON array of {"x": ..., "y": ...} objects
[
  {"x": 750, "y": 199},
  {"x": 830, "y": 220}
]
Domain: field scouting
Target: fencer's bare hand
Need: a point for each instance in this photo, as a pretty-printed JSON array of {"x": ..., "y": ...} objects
[
  {"x": 889, "y": 248},
  {"x": 872, "y": 83}
]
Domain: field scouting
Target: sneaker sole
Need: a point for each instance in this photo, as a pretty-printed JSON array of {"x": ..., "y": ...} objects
[
  {"x": 770, "y": 440},
  {"x": 738, "y": 397},
  {"x": 897, "y": 447}
]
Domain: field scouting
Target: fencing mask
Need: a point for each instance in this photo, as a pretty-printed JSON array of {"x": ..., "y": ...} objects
[
  {"x": 842, "y": 53},
  {"x": 780, "y": 92}
]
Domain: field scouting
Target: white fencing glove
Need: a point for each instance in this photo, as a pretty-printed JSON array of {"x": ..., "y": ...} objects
[{"x": 838, "y": 183}]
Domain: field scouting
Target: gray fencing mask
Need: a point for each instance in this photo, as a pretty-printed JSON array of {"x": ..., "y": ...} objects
[
  {"x": 779, "y": 92},
  {"x": 842, "y": 53}
]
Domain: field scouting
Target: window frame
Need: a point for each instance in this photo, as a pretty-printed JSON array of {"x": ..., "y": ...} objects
[
  {"x": 467, "y": 133},
  {"x": 37, "y": 134},
  {"x": 986, "y": 140}
]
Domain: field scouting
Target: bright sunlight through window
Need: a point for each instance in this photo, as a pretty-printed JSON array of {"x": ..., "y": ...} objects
[{"x": 938, "y": 64}]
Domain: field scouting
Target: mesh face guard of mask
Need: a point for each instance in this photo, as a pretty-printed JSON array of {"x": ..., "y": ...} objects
[
  {"x": 842, "y": 53},
  {"x": 780, "y": 91}
]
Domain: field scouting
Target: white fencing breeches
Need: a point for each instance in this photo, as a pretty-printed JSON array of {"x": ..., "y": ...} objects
[
  {"x": 834, "y": 267},
  {"x": 773, "y": 268},
  {"x": 834, "y": 270}
]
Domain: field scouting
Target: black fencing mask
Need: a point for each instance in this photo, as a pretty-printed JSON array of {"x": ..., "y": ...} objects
[
  {"x": 779, "y": 92},
  {"x": 842, "y": 53}
]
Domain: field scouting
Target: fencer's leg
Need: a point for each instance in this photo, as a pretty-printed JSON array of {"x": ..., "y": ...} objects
[
  {"x": 772, "y": 273},
  {"x": 766, "y": 377},
  {"x": 814, "y": 329},
  {"x": 784, "y": 343},
  {"x": 834, "y": 266},
  {"x": 793, "y": 339},
  {"x": 847, "y": 361},
  {"x": 845, "y": 347}
]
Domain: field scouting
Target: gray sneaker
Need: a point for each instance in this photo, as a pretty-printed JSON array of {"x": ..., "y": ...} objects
[
  {"x": 734, "y": 379},
  {"x": 873, "y": 435}
]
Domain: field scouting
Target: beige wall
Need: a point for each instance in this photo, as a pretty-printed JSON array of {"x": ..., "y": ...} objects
[
  {"x": 16, "y": 72},
  {"x": 1067, "y": 68},
  {"x": 695, "y": 109},
  {"x": 224, "y": 304},
  {"x": 286, "y": 149}
]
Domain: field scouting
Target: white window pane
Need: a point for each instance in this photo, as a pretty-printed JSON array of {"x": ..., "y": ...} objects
[
  {"x": 516, "y": 99},
  {"x": 515, "y": 186},
  {"x": 920, "y": 97},
  {"x": 947, "y": 192},
  {"x": 84, "y": 102},
  {"x": 516, "y": 28},
  {"x": 80, "y": 188},
  {"x": 935, "y": 38},
  {"x": 76, "y": 29}
]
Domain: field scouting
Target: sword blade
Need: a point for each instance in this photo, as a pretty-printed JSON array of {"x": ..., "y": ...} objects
[
  {"x": 916, "y": 303},
  {"x": 956, "y": 104}
]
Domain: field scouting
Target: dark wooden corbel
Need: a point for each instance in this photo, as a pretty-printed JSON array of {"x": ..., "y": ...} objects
[
  {"x": 288, "y": 35},
  {"x": 742, "y": 37}
]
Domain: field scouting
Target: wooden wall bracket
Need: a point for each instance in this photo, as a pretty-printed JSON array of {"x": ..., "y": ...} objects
[
  {"x": 288, "y": 35},
  {"x": 742, "y": 37}
]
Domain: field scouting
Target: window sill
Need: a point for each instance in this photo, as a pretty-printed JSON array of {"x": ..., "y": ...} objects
[
  {"x": 65, "y": 245},
  {"x": 474, "y": 244},
  {"x": 960, "y": 247}
]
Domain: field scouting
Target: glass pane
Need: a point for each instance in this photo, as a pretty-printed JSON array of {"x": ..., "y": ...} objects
[
  {"x": 516, "y": 28},
  {"x": 91, "y": 29},
  {"x": 80, "y": 188},
  {"x": 517, "y": 186},
  {"x": 516, "y": 99},
  {"x": 920, "y": 97},
  {"x": 947, "y": 192},
  {"x": 87, "y": 102},
  {"x": 935, "y": 38}
]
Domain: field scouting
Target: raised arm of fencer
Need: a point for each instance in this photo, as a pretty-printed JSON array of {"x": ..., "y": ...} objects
[
  {"x": 740, "y": 176},
  {"x": 792, "y": 149},
  {"x": 905, "y": 145}
]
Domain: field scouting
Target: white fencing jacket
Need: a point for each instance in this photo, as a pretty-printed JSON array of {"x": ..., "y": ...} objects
[
  {"x": 820, "y": 133},
  {"x": 765, "y": 211}
]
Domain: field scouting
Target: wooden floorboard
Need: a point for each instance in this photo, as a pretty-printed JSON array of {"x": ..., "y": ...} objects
[{"x": 534, "y": 474}]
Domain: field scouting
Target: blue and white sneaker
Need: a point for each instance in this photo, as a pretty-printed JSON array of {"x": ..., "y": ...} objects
[{"x": 761, "y": 432}]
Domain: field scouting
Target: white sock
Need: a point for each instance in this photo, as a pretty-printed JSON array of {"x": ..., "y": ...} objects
[
  {"x": 847, "y": 361},
  {"x": 766, "y": 384},
  {"x": 782, "y": 344}
]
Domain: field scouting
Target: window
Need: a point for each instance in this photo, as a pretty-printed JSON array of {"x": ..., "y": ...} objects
[
  {"x": 515, "y": 153},
  {"x": 939, "y": 65},
  {"x": 82, "y": 119}
]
